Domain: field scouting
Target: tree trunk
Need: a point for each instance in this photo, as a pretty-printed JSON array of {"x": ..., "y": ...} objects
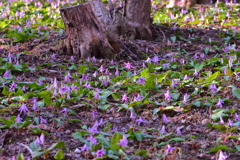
[{"x": 93, "y": 30}]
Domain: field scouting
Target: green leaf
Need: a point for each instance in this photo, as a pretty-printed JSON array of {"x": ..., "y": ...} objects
[
  {"x": 82, "y": 69},
  {"x": 78, "y": 135},
  {"x": 142, "y": 153},
  {"x": 145, "y": 73},
  {"x": 238, "y": 54},
  {"x": 115, "y": 139},
  {"x": 212, "y": 77},
  {"x": 59, "y": 144},
  {"x": 177, "y": 139},
  {"x": 5, "y": 91},
  {"x": 116, "y": 96},
  {"x": 103, "y": 140},
  {"x": 199, "y": 66},
  {"x": 175, "y": 96},
  {"x": 218, "y": 148},
  {"x": 20, "y": 157},
  {"x": 219, "y": 113},
  {"x": 236, "y": 92},
  {"x": 59, "y": 155},
  {"x": 26, "y": 123},
  {"x": 156, "y": 110},
  {"x": 47, "y": 99},
  {"x": 238, "y": 147},
  {"x": 173, "y": 38},
  {"x": 138, "y": 135}
]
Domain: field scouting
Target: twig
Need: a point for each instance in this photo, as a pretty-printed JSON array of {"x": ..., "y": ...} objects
[
  {"x": 163, "y": 35},
  {"x": 131, "y": 52},
  {"x": 29, "y": 149}
]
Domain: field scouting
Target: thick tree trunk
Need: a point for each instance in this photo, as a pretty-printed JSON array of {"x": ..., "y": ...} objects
[{"x": 93, "y": 30}]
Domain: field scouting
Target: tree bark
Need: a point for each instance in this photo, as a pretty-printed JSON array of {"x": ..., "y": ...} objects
[{"x": 93, "y": 30}]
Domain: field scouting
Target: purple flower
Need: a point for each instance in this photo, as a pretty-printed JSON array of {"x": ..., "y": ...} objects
[
  {"x": 23, "y": 108},
  {"x": 173, "y": 59},
  {"x": 73, "y": 87},
  {"x": 42, "y": 138},
  {"x": 128, "y": 66},
  {"x": 96, "y": 96},
  {"x": 13, "y": 86},
  {"x": 143, "y": 65},
  {"x": 167, "y": 95},
  {"x": 53, "y": 55},
  {"x": 101, "y": 69},
  {"x": 112, "y": 62},
  {"x": 155, "y": 59},
  {"x": 230, "y": 61},
  {"x": 221, "y": 156},
  {"x": 148, "y": 60},
  {"x": 225, "y": 71},
  {"x": 95, "y": 74},
  {"x": 88, "y": 59},
  {"x": 178, "y": 131},
  {"x": 106, "y": 72},
  {"x": 174, "y": 27},
  {"x": 213, "y": 88},
  {"x": 123, "y": 142},
  {"x": 220, "y": 103},
  {"x": 67, "y": 77},
  {"x": 94, "y": 129},
  {"x": 42, "y": 120},
  {"x": 92, "y": 139},
  {"x": 18, "y": 119},
  {"x": 166, "y": 65},
  {"x": 100, "y": 153},
  {"x": 221, "y": 120},
  {"x": 64, "y": 111},
  {"x": 117, "y": 72},
  {"x": 236, "y": 74},
  {"x": 104, "y": 83},
  {"x": 114, "y": 129},
  {"x": 141, "y": 80},
  {"x": 101, "y": 122},
  {"x": 186, "y": 77},
  {"x": 40, "y": 82},
  {"x": 140, "y": 120},
  {"x": 185, "y": 98},
  {"x": 132, "y": 115},
  {"x": 94, "y": 114},
  {"x": 37, "y": 141},
  {"x": 237, "y": 117},
  {"x": 162, "y": 131},
  {"x": 6, "y": 74},
  {"x": 165, "y": 119},
  {"x": 72, "y": 58},
  {"x": 84, "y": 148},
  {"x": 94, "y": 60},
  {"x": 138, "y": 98},
  {"x": 124, "y": 98},
  {"x": 35, "y": 103},
  {"x": 84, "y": 77},
  {"x": 230, "y": 122},
  {"x": 173, "y": 83},
  {"x": 195, "y": 73},
  {"x": 169, "y": 149},
  {"x": 55, "y": 84}
]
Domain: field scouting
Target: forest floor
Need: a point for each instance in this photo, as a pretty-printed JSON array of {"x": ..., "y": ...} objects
[{"x": 192, "y": 126}]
